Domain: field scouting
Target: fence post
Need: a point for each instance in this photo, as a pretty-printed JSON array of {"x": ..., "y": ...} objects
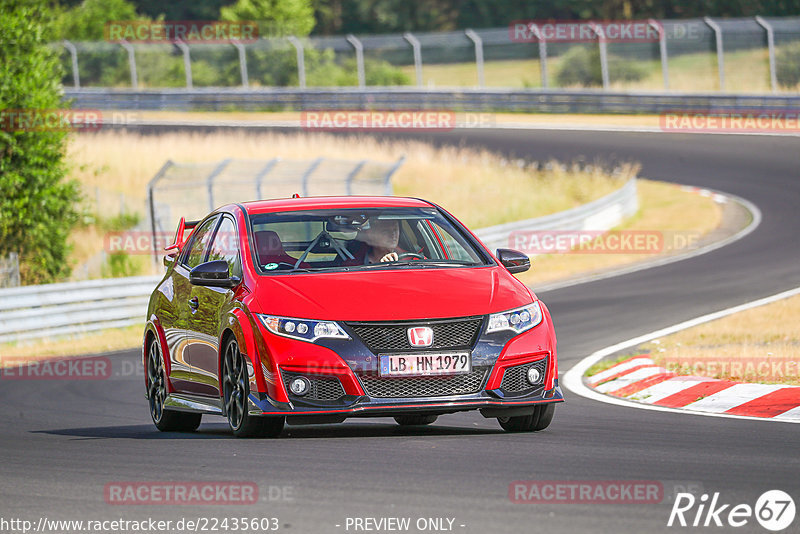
[
  {"x": 348, "y": 181},
  {"x": 662, "y": 48},
  {"x": 73, "y": 52},
  {"x": 152, "y": 205},
  {"x": 773, "y": 75},
  {"x": 131, "y": 62},
  {"x": 307, "y": 174},
  {"x": 242, "y": 62},
  {"x": 387, "y": 179},
  {"x": 542, "y": 52},
  {"x": 210, "y": 181},
  {"x": 415, "y": 45},
  {"x": 353, "y": 40},
  {"x": 187, "y": 62},
  {"x": 478, "y": 42},
  {"x": 720, "y": 50},
  {"x": 601, "y": 42},
  {"x": 301, "y": 60},
  {"x": 262, "y": 173}
]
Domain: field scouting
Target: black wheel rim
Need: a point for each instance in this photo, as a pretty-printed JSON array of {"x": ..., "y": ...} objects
[
  {"x": 156, "y": 384},
  {"x": 234, "y": 386}
]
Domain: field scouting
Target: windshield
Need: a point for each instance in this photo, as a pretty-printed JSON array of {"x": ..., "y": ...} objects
[{"x": 348, "y": 239}]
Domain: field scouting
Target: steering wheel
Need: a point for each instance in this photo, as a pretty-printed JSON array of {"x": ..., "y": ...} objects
[{"x": 413, "y": 255}]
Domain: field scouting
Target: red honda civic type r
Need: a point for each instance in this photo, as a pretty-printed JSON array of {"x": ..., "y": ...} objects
[{"x": 313, "y": 310}]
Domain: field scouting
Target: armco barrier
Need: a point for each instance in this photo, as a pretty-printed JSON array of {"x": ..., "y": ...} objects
[
  {"x": 514, "y": 100},
  {"x": 63, "y": 309},
  {"x": 601, "y": 214}
]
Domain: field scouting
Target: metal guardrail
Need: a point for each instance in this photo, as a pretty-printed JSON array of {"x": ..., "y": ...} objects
[
  {"x": 522, "y": 100},
  {"x": 75, "y": 307},
  {"x": 52, "y": 310},
  {"x": 600, "y": 215}
]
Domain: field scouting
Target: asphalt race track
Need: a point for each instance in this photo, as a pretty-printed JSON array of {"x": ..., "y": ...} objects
[{"x": 63, "y": 441}]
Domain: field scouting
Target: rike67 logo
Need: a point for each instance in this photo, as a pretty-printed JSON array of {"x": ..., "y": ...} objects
[{"x": 774, "y": 510}]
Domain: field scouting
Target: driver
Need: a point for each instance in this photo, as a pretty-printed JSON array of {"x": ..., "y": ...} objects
[{"x": 381, "y": 238}]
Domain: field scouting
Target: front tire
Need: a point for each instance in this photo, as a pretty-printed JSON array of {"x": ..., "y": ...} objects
[
  {"x": 235, "y": 392},
  {"x": 165, "y": 420},
  {"x": 540, "y": 419},
  {"x": 415, "y": 420}
]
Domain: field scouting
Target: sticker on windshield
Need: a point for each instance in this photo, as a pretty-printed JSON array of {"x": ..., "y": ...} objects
[{"x": 271, "y": 266}]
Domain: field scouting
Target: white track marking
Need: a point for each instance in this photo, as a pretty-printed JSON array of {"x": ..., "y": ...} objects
[
  {"x": 792, "y": 415},
  {"x": 630, "y": 378},
  {"x": 640, "y": 266},
  {"x": 731, "y": 397},
  {"x": 619, "y": 368},
  {"x": 666, "y": 388},
  {"x": 573, "y": 379}
]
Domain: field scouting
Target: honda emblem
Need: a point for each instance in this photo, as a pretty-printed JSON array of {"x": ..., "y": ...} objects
[{"x": 420, "y": 336}]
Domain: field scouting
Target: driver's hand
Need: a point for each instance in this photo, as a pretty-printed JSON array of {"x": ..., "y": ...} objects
[{"x": 392, "y": 256}]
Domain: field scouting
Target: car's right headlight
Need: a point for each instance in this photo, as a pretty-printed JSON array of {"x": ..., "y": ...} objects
[
  {"x": 517, "y": 320},
  {"x": 302, "y": 329}
]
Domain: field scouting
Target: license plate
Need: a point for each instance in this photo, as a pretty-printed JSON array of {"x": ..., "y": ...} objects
[{"x": 449, "y": 363}]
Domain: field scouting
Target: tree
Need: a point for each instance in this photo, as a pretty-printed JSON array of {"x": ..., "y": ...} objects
[
  {"x": 86, "y": 22},
  {"x": 275, "y": 17},
  {"x": 37, "y": 204}
]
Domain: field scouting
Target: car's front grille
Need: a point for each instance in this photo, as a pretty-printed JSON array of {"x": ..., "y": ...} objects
[
  {"x": 390, "y": 337},
  {"x": 322, "y": 387},
  {"x": 423, "y": 386},
  {"x": 516, "y": 378}
]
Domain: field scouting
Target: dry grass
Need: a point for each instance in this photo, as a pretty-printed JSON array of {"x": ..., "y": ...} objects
[
  {"x": 481, "y": 188},
  {"x": 89, "y": 343},
  {"x": 757, "y": 345},
  {"x": 662, "y": 208},
  {"x": 457, "y": 178}
]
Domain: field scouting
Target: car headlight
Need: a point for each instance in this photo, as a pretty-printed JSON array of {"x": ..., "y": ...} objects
[
  {"x": 302, "y": 329},
  {"x": 517, "y": 320}
]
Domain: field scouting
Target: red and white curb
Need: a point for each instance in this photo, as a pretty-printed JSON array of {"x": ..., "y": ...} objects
[
  {"x": 639, "y": 379},
  {"x": 705, "y": 404}
]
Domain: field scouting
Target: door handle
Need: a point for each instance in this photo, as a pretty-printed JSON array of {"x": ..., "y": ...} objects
[{"x": 194, "y": 303}]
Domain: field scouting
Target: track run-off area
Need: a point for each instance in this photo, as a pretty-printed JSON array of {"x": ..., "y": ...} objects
[{"x": 64, "y": 442}]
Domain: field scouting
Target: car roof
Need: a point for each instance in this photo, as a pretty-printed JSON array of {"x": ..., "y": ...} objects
[{"x": 306, "y": 203}]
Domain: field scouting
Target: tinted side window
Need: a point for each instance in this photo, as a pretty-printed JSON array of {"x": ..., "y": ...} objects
[
  {"x": 200, "y": 238},
  {"x": 226, "y": 247}
]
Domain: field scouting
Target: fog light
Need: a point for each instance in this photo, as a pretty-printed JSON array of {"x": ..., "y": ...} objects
[
  {"x": 299, "y": 386},
  {"x": 534, "y": 375}
]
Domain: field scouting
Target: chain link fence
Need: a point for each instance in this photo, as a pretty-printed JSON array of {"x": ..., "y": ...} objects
[
  {"x": 692, "y": 55},
  {"x": 192, "y": 190}
]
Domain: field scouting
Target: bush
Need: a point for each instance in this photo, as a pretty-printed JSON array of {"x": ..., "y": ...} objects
[
  {"x": 787, "y": 65},
  {"x": 37, "y": 205},
  {"x": 580, "y": 65}
]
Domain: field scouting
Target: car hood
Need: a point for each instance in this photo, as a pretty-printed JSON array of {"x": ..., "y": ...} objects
[{"x": 401, "y": 294}]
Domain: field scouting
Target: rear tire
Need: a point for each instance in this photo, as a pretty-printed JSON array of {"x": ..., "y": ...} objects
[
  {"x": 165, "y": 420},
  {"x": 415, "y": 420},
  {"x": 540, "y": 419},
  {"x": 235, "y": 393}
]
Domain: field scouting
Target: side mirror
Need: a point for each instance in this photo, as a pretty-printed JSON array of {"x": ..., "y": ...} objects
[
  {"x": 513, "y": 260},
  {"x": 213, "y": 274}
]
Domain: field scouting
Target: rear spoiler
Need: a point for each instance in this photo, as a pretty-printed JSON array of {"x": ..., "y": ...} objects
[{"x": 179, "y": 241}]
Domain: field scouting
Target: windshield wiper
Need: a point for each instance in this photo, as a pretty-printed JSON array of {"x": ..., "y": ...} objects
[{"x": 419, "y": 263}]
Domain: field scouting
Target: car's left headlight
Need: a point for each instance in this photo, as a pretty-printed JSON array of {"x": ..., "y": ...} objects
[
  {"x": 302, "y": 329},
  {"x": 517, "y": 320}
]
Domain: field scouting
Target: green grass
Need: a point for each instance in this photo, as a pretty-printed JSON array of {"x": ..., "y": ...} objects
[{"x": 746, "y": 71}]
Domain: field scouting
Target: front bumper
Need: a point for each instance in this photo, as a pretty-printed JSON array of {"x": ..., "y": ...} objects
[{"x": 362, "y": 406}]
